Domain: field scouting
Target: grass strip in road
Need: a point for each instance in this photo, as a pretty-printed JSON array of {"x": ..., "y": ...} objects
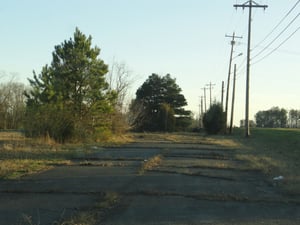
[
  {"x": 97, "y": 213},
  {"x": 14, "y": 169}
]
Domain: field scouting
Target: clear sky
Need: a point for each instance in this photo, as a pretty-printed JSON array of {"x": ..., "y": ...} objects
[{"x": 185, "y": 38}]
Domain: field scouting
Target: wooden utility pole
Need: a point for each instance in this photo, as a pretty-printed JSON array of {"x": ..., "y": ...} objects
[
  {"x": 199, "y": 115},
  {"x": 210, "y": 88},
  {"x": 249, "y": 4},
  {"x": 229, "y": 73},
  {"x": 204, "y": 89},
  {"x": 201, "y": 112},
  {"x": 233, "y": 98},
  {"x": 201, "y": 105},
  {"x": 222, "y": 91}
]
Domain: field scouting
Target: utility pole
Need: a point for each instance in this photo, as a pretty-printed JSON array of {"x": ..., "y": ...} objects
[
  {"x": 199, "y": 115},
  {"x": 204, "y": 89},
  {"x": 201, "y": 112},
  {"x": 249, "y": 4},
  {"x": 222, "y": 91},
  {"x": 201, "y": 106},
  {"x": 210, "y": 87},
  {"x": 233, "y": 98},
  {"x": 229, "y": 73}
]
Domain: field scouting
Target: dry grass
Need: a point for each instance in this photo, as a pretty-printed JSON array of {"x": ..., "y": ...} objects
[
  {"x": 276, "y": 152},
  {"x": 114, "y": 140},
  {"x": 185, "y": 138},
  {"x": 20, "y": 156},
  {"x": 167, "y": 137},
  {"x": 264, "y": 163},
  {"x": 16, "y": 168},
  {"x": 151, "y": 163},
  {"x": 96, "y": 214},
  {"x": 223, "y": 141},
  {"x": 11, "y": 169},
  {"x": 91, "y": 216},
  {"x": 11, "y": 136},
  {"x": 110, "y": 200},
  {"x": 82, "y": 218}
]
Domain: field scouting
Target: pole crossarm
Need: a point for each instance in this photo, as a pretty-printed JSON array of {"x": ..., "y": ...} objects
[
  {"x": 210, "y": 85},
  {"x": 249, "y": 4},
  {"x": 233, "y": 38}
]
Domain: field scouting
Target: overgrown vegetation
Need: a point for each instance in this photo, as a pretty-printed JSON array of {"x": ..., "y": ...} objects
[
  {"x": 274, "y": 151},
  {"x": 78, "y": 97},
  {"x": 21, "y": 156},
  {"x": 214, "y": 119},
  {"x": 97, "y": 213},
  {"x": 70, "y": 98},
  {"x": 91, "y": 216},
  {"x": 151, "y": 163}
]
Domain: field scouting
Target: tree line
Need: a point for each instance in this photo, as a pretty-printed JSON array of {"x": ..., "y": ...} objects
[
  {"x": 77, "y": 96},
  {"x": 278, "y": 118}
]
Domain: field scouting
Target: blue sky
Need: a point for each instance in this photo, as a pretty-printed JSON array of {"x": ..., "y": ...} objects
[{"x": 185, "y": 38}]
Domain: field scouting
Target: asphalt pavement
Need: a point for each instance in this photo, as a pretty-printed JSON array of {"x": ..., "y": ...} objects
[{"x": 193, "y": 184}]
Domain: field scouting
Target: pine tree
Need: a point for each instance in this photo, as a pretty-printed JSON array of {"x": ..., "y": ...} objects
[
  {"x": 162, "y": 104},
  {"x": 74, "y": 87}
]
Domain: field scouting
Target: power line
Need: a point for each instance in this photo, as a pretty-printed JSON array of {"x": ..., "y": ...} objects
[
  {"x": 280, "y": 22},
  {"x": 265, "y": 48},
  {"x": 285, "y": 51},
  {"x": 282, "y": 43},
  {"x": 242, "y": 67}
]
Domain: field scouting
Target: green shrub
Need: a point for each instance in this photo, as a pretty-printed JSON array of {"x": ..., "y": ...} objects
[{"x": 214, "y": 119}]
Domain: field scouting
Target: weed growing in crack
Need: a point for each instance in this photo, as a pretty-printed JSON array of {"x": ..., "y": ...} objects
[{"x": 151, "y": 163}]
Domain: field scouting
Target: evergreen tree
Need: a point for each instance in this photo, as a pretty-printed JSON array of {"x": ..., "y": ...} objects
[
  {"x": 73, "y": 88},
  {"x": 214, "y": 119},
  {"x": 162, "y": 104}
]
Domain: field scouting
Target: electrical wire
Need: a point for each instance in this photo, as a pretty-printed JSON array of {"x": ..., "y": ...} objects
[
  {"x": 282, "y": 43},
  {"x": 280, "y": 22},
  {"x": 265, "y": 48}
]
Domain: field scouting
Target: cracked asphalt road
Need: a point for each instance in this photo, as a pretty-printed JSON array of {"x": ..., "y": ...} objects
[{"x": 193, "y": 184}]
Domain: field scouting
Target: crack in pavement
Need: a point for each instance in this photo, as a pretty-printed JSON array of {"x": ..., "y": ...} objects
[{"x": 196, "y": 195}]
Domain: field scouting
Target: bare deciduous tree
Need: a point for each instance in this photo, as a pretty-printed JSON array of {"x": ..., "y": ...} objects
[
  {"x": 120, "y": 80},
  {"x": 12, "y": 105}
]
